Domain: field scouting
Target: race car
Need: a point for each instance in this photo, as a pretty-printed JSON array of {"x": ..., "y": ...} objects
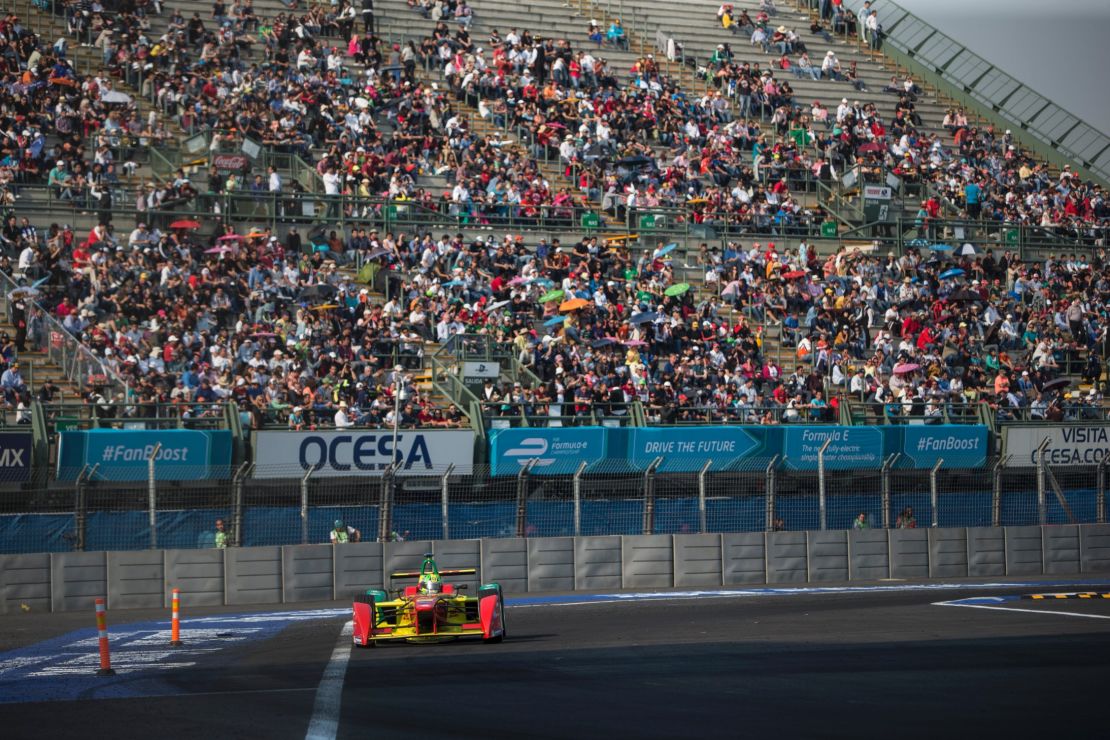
[{"x": 430, "y": 611}]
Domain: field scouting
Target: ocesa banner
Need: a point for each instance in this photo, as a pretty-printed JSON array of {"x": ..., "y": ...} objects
[
  {"x": 121, "y": 455},
  {"x": 15, "y": 457},
  {"x": 355, "y": 452},
  {"x": 1073, "y": 444}
]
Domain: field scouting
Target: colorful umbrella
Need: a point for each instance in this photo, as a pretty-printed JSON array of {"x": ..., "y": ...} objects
[
  {"x": 968, "y": 249},
  {"x": 453, "y": 283},
  {"x": 906, "y": 367},
  {"x": 219, "y": 250},
  {"x": 635, "y": 343},
  {"x": 185, "y": 223},
  {"x": 551, "y": 295},
  {"x": 667, "y": 249},
  {"x": 256, "y": 234},
  {"x": 518, "y": 280},
  {"x": 230, "y": 238},
  {"x": 599, "y": 343},
  {"x": 954, "y": 272},
  {"x": 496, "y": 306},
  {"x": 918, "y": 243},
  {"x": 1055, "y": 385},
  {"x": 554, "y": 320},
  {"x": 677, "y": 289},
  {"x": 574, "y": 304},
  {"x": 23, "y": 292},
  {"x": 643, "y": 318},
  {"x": 325, "y": 307},
  {"x": 794, "y": 274},
  {"x": 942, "y": 248}
]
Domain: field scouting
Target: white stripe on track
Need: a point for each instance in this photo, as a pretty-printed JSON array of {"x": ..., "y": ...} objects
[
  {"x": 329, "y": 694},
  {"x": 1027, "y": 611}
]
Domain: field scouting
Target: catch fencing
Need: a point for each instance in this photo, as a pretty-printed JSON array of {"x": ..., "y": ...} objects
[{"x": 293, "y": 507}]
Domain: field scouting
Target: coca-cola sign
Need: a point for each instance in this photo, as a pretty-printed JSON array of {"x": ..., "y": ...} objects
[{"x": 229, "y": 162}]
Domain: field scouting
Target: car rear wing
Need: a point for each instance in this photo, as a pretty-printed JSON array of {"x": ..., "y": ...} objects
[{"x": 446, "y": 572}]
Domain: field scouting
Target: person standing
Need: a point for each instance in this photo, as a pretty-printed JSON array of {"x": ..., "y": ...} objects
[
  {"x": 221, "y": 539},
  {"x": 861, "y": 522},
  {"x": 368, "y": 16},
  {"x": 343, "y": 534}
]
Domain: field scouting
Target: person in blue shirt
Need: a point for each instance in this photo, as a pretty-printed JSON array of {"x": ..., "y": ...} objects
[
  {"x": 972, "y": 195},
  {"x": 616, "y": 36}
]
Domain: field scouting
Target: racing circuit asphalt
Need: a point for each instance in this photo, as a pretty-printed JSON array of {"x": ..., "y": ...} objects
[{"x": 874, "y": 664}]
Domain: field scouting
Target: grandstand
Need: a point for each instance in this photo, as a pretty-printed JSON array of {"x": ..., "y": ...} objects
[{"x": 638, "y": 214}]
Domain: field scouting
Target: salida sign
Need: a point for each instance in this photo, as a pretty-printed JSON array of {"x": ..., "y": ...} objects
[{"x": 361, "y": 452}]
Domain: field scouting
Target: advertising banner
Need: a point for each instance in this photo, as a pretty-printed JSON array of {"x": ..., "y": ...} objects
[
  {"x": 687, "y": 449},
  {"x": 556, "y": 451},
  {"x": 15, "y": 457},
  {"x": 1071, "y": 444},
  {"x": 352, "y": 452},
  {"x": 185, "y": 454},
  {"x": 850, "y": 447},
  {"x": 959, "y": 446}
]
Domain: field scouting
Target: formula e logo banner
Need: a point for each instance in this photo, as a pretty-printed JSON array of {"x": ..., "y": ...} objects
[
  {"x": 15, "y": 457},
  {"x": 361, "y": 452},
  {"x": 555, "y": 451},
  {"x": 957, "y": 445},
  {"x": 1078, "y": 444},
  {"x": 849, "y": 447},
  {"x": 119, "y": 455}
]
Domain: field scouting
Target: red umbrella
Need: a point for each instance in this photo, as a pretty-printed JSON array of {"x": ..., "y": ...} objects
[
  {"x": 185, "y": 224},
  {"x": 794, "y": 274},
  {"x": 230, "y": 238}
]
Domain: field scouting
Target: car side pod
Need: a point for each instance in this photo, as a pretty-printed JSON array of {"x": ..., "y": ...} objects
[
  {"x": 363, "y": 611},
  {"x": 491, "y": 612}
]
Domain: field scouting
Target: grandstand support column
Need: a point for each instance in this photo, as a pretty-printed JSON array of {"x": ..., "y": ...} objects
[
  {"x": 577, "y": 485},
  {"x": 237, "y": 503},
  {"x": 884, "y": 474},
  {"x": 772, "y": 478},
  {"x": 152, "y": 496},
  {"x": 934, "y": 497},
  {"x": 522, "y": 497},
  {"x": 996, "y": 491},
  {"x": 1042, "y": 501},
  {"x": 649, "y": 496},
  {"x": 444, "y": 494},
  {"x": 304, "y": 506},
  {"x": 702, "y": 526},
  {"x": 1100, "y": 493},
  {"x": 822, "y": 501}
]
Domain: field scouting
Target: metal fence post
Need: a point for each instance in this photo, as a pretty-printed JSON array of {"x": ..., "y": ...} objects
[
  {"x": 649, "y": 496},
  {"x": 237, "y": 504},
  {"x": 81, "y": 506},
  {"x": 304, "y": 506},
  {"x": 385, "y": 504},
  {"x": 444, "y": 495},
  {"x": 1042, "y": 503},
  {"x": 152, "y": 496},
  {"x": 821, "y": 497},
  {"x": 934, "y": 498},
  {"x": 1100, "y": 493},
  {"x": 577, "y": 485},
  {"x": 996, "y": 491},
  {"x": 522, "y": 498},
  {"x": 885, "y": 484},
  {"x": 702, "y": 523},
  {"x": 772, "y": 480}
]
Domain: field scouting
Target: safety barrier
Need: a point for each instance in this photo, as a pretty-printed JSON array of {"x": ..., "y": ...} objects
[{"x": 307, "y": 573}]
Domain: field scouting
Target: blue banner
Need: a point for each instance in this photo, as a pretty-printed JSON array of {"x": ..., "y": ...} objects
[
  {"x": 15, "y": 457},
  {"x": 556, "y": 451},
  {"x": 687, "y": 449},
  {"x": 959, "y": 446},
  {"x": 121, "y": 455},
  {"x": 849, "y": 447}
]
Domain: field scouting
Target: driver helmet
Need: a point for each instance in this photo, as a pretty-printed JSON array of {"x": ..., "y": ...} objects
[{"x": 430, "y": 585}]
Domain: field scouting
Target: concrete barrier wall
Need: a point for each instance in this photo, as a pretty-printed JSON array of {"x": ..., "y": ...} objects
[
  {"x": 252, "y": 575},
  {"x": 77, "y": 579},
  {"x": 647, "y": 561},
  {"x": 300, "y": 573},
  {"x": 551, "y": 564},
  {"x": 136, "y": 579},
  {"x": 307, "y": 573},
  {"x": 697, "y": 560},
  {"x": 199, "y": 574},
  {"x": 24, "y": 583},
  {"x": 827, "y": 556}
]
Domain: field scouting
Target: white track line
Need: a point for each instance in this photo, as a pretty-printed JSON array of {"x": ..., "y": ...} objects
[
  {"x": 1027, "y": 611},
  {"x": 325, "y": 711}
]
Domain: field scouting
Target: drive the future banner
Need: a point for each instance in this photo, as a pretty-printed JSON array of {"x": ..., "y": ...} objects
[{"x": 686, "y": 449}]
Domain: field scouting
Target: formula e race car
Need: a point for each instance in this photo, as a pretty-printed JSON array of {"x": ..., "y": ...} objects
[{"x": 430, "y": 611}]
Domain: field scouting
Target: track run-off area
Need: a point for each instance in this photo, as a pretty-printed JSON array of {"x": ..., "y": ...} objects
[{"x": 910, "y": 659}]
